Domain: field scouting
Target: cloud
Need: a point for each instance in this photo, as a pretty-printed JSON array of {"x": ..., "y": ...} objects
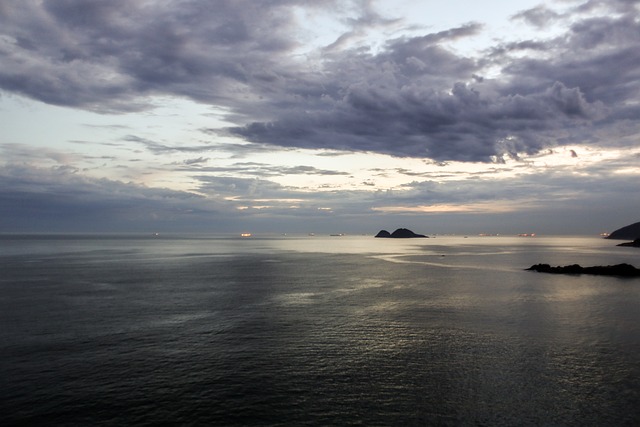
[
  {"x": 107, "y": 56},
  {"x": 58, "y": 199},
  {"x": 21, "y": 154},
  {"x": 159, "y": 148},
  {"x": 367, "y": 19},
  {"x": 458, "y": 124},
  {"x": 261, "y": 170},
  {"x": 539, "y": 16},
  {"x": 195, "y": 161},
  {"x": 581, "y": 59},
  {"x": 45, "y": 197},
  {"x": 418, "y": 99},
  {"x": 55, "y": 199},
  {"x": 415, "y": 96}
]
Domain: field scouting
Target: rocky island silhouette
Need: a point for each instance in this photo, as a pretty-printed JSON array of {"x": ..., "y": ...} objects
[
  {"x": 400, "y": 233},
  {"x": 629, "y": 232},
  {"x": 623, "y": 270}
]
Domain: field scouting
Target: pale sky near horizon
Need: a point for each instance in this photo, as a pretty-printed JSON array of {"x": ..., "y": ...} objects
[{"x": 327, "y": 116}]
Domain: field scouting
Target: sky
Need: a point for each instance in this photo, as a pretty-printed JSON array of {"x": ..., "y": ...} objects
[{"x": 324, "y": 116}]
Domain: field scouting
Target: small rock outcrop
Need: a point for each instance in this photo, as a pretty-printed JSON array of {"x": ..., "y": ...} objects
[
  {"x": 400, "y": 233},
  {"x": 634, "y": 244},
  {"x": 623, "y": 270}
]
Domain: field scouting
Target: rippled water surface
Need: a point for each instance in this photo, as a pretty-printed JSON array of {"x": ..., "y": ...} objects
[{"x": 121, "y": 330}]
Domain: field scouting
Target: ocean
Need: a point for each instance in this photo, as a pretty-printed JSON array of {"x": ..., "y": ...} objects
[{"x": 315, "y": 331}]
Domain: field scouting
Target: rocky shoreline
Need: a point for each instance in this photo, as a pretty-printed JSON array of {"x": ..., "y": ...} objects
[
  {"x": 634, "y": 244},
  {"x": 623, "y": 270}
]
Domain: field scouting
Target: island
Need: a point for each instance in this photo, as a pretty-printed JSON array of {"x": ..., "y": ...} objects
[
  {"x": 634, "y": 244},
  {"x": 400, "y": 233},
  {"x": 623, "y": 270},
  {"x": 629, "y": 232}
]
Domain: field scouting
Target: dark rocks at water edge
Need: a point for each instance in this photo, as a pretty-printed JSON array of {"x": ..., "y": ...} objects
[
  {"x": 634, "y": 244},
  {"x": 400, "y": 233},
  {"x": 625, "y": 270}
]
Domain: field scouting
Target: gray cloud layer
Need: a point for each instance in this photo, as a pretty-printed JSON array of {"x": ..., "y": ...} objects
[
  {"x": 414, "y": 98},
  {"x": 242, "y": 196},
  {"x": 35, "y": 199}
]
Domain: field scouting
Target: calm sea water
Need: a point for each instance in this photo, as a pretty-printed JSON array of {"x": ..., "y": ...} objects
[{"x": 295, "y": 331}]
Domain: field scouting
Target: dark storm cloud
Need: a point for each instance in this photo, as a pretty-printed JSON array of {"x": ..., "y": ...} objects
[
  {"x": 414, "y": 97},
  {"x": 418, "y": 99},
  {"x": 584, "y": 58},
  {"x": 106, "y": 55},
  {"x": 53, "y": 199}
]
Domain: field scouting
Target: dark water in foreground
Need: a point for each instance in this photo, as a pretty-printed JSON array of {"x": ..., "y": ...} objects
[{"x": 316, "y": 331}]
